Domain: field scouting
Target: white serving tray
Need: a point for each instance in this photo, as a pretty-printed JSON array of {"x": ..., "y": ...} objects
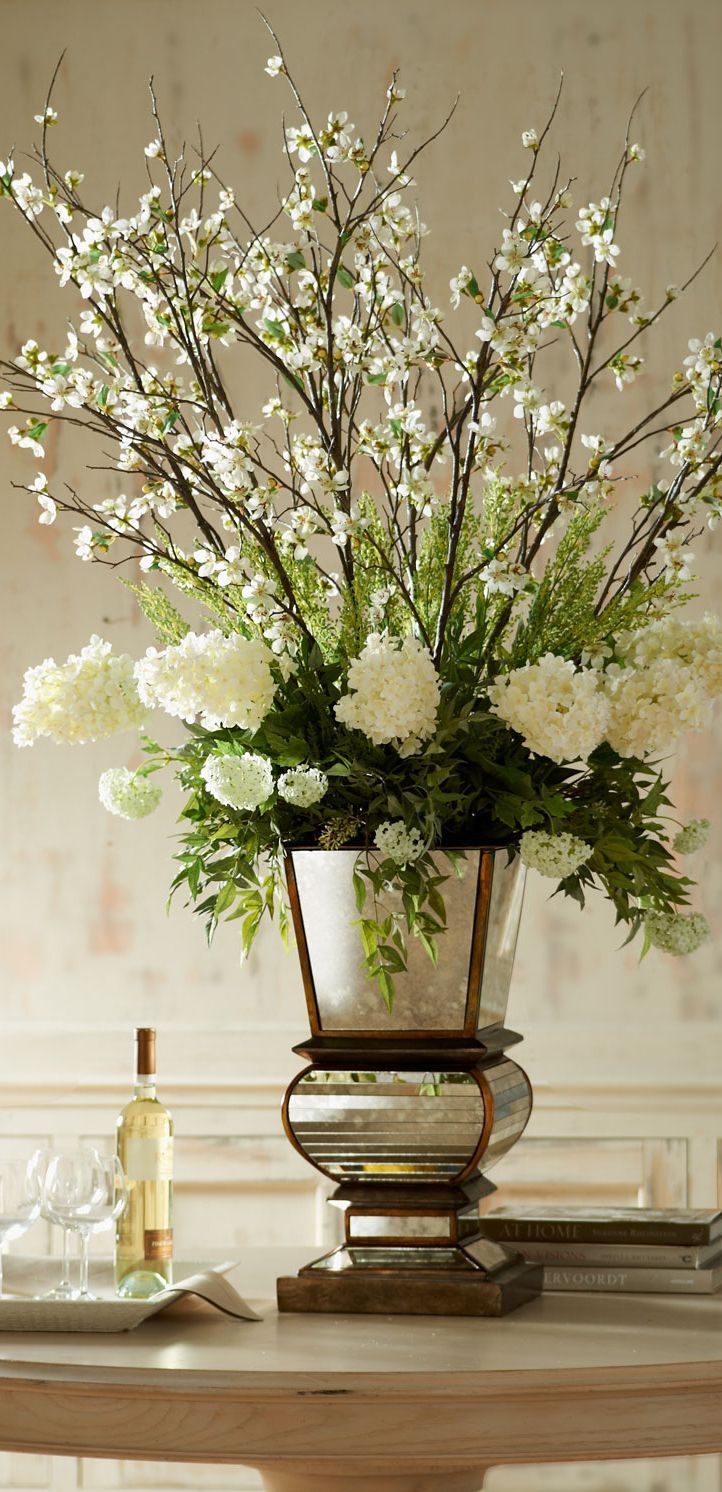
[{"x": 21, "y": 1311}]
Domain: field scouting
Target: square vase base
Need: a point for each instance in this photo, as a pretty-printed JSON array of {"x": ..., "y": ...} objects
[{"x": 396, "y": 1292}]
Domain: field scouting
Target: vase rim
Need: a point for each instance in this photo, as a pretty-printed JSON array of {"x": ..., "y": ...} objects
[{"x": 293, "y": 848}]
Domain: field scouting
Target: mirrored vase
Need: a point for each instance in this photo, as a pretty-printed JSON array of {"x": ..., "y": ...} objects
[{"x": 402, "y": 1108}]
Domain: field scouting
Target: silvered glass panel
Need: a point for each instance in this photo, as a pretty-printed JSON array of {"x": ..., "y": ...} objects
[
  {"x": 410, "y": 1225},
  {"x": 404, "y": 1256},
  {"x": 507, "y": 895},
  {"x": 387, "y": 1126},
  {"x": 427, "y": 998}
]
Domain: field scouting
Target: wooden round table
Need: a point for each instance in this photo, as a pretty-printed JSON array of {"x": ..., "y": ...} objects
[{"x": 393, "y": 1404}]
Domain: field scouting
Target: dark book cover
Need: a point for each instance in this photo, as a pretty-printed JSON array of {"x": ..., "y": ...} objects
[{"x": 623, "y": 1225}]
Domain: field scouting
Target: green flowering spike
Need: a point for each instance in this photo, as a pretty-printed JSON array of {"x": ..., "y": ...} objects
[{"x": 161, "y": 612}]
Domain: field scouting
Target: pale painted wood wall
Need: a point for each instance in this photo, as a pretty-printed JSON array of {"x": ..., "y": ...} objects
[{"x": 626, "y": 1059}]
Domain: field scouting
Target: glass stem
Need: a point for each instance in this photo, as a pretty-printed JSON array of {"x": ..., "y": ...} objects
[
  {"x": 85, "y": 1247},
  {"x": 65, "y": 1281},
  {"x": 1, "y": 1271}
]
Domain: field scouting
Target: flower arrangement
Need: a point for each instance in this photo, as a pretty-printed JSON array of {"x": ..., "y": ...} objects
[{"x": 411, "y": 623}]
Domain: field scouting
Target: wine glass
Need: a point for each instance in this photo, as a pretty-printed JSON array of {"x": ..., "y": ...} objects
[
  {"x": 86, "y": 1192},
  {"x": 38, "y": 1165},
  {"x": 19, "y": 1203}
]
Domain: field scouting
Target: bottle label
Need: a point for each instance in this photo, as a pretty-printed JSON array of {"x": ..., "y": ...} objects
[
  {"x": 149, "y": 1159},
  {"x": 158, "y": 1243}
]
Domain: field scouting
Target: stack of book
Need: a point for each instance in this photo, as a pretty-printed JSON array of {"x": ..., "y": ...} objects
[{"x": 675, "y": 1251}]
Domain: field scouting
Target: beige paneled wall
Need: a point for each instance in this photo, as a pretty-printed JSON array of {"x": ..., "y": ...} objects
[
  {"x": 84, "y": 934},
  {"x": 626, "y": 1057}
]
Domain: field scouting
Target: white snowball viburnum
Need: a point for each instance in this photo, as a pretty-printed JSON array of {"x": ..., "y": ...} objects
[
  {"x": 556, "y": 855},
  {"x": 302, "y": 786},
  {"x": 397, "y": 842},
  {"x": 218, "y": 680},
  {"x": 393, "y": 694},
  {"x": 692, "y": 837},
  {"x": 238, "y": 781},
  {"x": 559, "y": 711},
  {"x": 126, "y": 794},
  {"x": 673, "y": 674},
  {"x": 650, "y": 708},
  {"x": 89, "y": 697},
  {"x": 676, "y": 932}
]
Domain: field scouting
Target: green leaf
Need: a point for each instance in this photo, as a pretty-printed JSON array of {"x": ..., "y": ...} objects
[
  {"x": 359, "y": 890},
  {"x": 398, "y": 314},
  {"x": 274, "y": 328},
  {"x": 345, "y": 277},
  {"x": 295, "y": 260},
  {"x": 369, "y": 937},
  {"x": 386, "y": 987}
]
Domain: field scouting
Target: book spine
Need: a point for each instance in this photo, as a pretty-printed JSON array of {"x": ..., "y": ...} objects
[
  {"x": 527, "y": 1230},
  {"x": 634, "y": 1281},
  {"x": 634, "y": 1256}
]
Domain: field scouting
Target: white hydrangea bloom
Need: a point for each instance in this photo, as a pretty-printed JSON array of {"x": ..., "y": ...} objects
[
  {"x": 676, "y": 932},
  {"x": 695, "y": 643},
  {"x": 89, "y": 697},
  {"x": 650, "y": 708},
  {"x": 219, "y": 680},
  {"x": 692, "y": 837},
  {"x": 397, "y": 842},
  {"x": 126, "y": 794},
  {"x": 393, "y": 693},
  {"x": 556, "y": 855},
  {"x": 560, "y": 711},
  {"x": 238, "y": 781},
  {"x": 302, "y": 786},
  {"x": 674, "y": 672}
]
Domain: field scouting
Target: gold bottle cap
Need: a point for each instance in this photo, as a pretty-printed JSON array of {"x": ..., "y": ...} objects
[{"x": 145, "y": 1051}]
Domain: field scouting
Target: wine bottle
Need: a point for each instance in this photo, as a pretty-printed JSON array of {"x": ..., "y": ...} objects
[{"x": 144, "y": 1233}]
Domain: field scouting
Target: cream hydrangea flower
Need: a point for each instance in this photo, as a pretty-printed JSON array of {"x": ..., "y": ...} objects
[
  {"x": 302, "y": 786},
  {"x": 238, "y": 781},
  {"x": 219, "y": 680},
  {"x": 695, "y": 643},
  {"x": 89, "y": 697},
  {"x": 650, "y": 708},
  {"x": 560, "y": 711},
  {"x": 398, "y": 842},
  {"x": 676, "y": 932},
  {"x": 692, "y": 837},
  {"x": 673, "y": 673},
  {"x": 393, "y": 694},
  {"x": 556, "y": 855},
  {"x": 126, "y": 794}
]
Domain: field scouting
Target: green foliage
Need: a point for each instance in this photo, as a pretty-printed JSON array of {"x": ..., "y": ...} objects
[
  {"x": 562, "y": 618},
  {"x": 161, "y": 612}
]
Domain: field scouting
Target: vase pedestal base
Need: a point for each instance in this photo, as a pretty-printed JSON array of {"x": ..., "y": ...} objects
[{"x": 411, "y": 1292}]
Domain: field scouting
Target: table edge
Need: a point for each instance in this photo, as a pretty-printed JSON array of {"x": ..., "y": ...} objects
[{"x": 464, "y": 1384}]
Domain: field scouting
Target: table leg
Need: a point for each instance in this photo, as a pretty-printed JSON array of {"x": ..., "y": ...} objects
[{"x": 376, "y": 1481}]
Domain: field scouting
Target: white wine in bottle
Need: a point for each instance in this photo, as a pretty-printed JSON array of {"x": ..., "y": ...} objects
[{"x": 144, "y": 1233}]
